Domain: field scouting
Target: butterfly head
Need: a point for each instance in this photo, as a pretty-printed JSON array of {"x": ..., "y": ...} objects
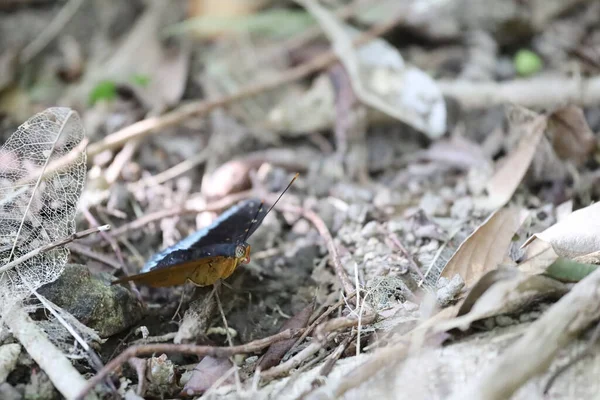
[{"x": 242, "y": 253}]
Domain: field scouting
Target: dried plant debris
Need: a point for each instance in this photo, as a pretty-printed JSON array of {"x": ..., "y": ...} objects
[
  {"x": 486, "y": 248},
  {"x": 38, "y": 209}
]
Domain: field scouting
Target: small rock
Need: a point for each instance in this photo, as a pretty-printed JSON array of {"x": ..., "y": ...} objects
[
  {"x": 251, "y": 360},
  {"x": 104, "y": 308},
  {"x": 503, "y": 320},
  {"x": 396, "y": 225},
  {"x": 489, "y": 323},
  {"x": 370, "y": 230},
  {"x": 357, "y": 213},
  {"x": 9, "y": 354},
  {"x": 432, "y": 204},
  {"x": 8, "y": 392},
  {"x": 39, "y": 387},
  {"x": 448, "y": 289},
  {"x": 462, "y": 208}
]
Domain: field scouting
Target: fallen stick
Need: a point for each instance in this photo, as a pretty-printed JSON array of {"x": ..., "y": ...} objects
[
  {"x": 52, "y": 361},
  {"x": 50, "y": 246},
  {"x": 200, "y": 108},
  {"x": 213, "y": 351},
  {"x": 540, "y": 92}
]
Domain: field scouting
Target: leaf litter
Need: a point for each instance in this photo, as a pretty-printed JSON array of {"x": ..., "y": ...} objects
[{"x": 390, "y": 236}]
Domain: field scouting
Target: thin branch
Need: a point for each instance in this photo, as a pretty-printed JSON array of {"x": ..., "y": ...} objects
[
  {"x": 50, "y": 246},
  {"x": 292, "y": 363},
  {"x": 319, "y": 224},
  {"x": 59, "y": 369},
  {"x": 320, "y": 319},
  {"x": 201, "y": 108},
  {"x": 540, "y": 92},
  {"x": 411, "y": 262},
  {"x": 50, "y": 32},
  {"x": 213, "y": 351},
  {"x": 87, "y": 252},
  {"x": 185, "y": 209}
]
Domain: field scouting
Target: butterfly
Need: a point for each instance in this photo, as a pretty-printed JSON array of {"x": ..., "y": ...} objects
[{"x": 209, "y": 254}]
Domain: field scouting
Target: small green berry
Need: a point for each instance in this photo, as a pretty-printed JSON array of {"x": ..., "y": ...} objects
[{"x": 527, "y": 63}]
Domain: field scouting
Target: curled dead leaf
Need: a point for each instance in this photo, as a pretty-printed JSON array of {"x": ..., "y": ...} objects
[
  {"x": 503, "y": 292},
  {"x": 513, "y": 167},
  {"x": 576, "y": 235},
  {"x": 570, "y": 134},
  {"x": 277, "y": 350},
  {"x": 206, "y": 374},
  {"x": 486, "y": 247}
]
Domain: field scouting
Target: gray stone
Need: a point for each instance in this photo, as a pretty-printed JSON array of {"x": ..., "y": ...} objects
[{"x": 93, "y": 301}]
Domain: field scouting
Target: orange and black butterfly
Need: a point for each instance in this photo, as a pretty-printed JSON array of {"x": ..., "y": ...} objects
[{"x": 210, "y": 254}]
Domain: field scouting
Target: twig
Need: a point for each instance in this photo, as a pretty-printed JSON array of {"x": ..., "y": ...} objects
[
  {"x": 87, "y": 252},
  {"x": 113, "y": 171},
  {"x": 544, "y": 92},
  {"x": 156, "y": 339},
  {"x": 172, "y": 172},
  {"x": 413, "y": 265},
  {"x": 292, "y": 363},
  {"x": 50, "y": 32},
  {"x": 328, "y": 366},
  {"x": 217, "y": 287},
  {"x": 96, "y": 362},
  {"x": 140, "y": 366},
  {"x": 59, "y": 369},
  {"x": 50, "y": 246},
  {"x": 185, "y": 209},
  {"x": 318, "y": 320},
  {"x": 196, "y": 109},
  {"x": 113, "y": 243},
  {"x": 342, "y": 323},
  {"x": 319, "y": 224},
  {"x": 213, "y": 351}
]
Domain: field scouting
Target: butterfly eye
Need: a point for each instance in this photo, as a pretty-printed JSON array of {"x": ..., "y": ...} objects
[{"x": 240, "y": 251}]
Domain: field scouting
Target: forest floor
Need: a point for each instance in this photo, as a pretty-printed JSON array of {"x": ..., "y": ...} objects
[{"x": 440, "y": 241}]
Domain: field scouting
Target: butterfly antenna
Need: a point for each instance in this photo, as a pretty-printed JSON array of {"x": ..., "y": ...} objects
[
  {"x": 254, "y": 220},
  {"x": 269, "y": 210}
]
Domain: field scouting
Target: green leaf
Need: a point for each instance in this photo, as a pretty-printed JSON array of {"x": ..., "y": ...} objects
[
  {"x": 103, "y": 91},
  {"x": 141, "y": 80},
  {"x": 527, "y": 63},
  {"x": 277, "y": 23},
  {"x": 566, "y": 270}
]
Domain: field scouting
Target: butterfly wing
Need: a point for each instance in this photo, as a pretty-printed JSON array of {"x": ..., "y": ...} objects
[
  {"x": 227, "y": 228},
  {"x": 175, "y": 274},
  {"x": 202, "y": 266}
]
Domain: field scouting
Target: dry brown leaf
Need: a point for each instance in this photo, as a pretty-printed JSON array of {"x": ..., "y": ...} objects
[
  {"x": 486, "y": 247},
  {"x": 576, "y": 235},
  {"x": 570, "y": 134},
  {"x": 510, "y": 293},
  {"x": 206, "y": 374},
  {"x": 277, "y": 350},
  {"x": 513, "y": 167}
]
